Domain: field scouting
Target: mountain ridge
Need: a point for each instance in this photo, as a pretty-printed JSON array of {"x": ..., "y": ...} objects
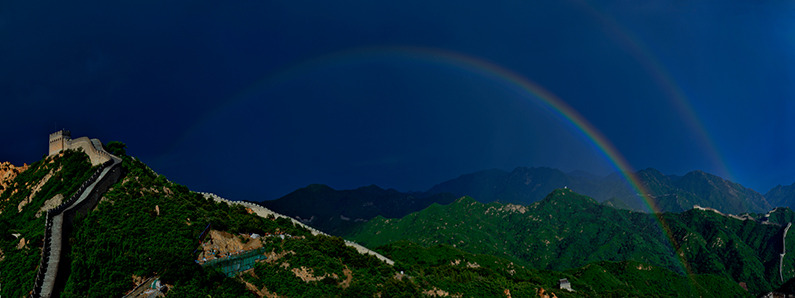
[
  {"x": 144, "y": 230},
  {"x": 568, "y": 230},
  {"x": 673, "y": 193},
  {"x": 782, "y": 195},
  {"x": 337, "y": 211}
]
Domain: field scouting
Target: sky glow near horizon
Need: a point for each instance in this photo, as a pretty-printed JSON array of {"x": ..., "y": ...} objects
[{"x": 255, "y": 99}]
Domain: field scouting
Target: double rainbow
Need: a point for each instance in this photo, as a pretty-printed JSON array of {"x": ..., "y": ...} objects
[{"x": 470, "y": 64}]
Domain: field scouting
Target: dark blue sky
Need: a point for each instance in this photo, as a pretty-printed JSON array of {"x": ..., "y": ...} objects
[{"x": 254, "y": 99}]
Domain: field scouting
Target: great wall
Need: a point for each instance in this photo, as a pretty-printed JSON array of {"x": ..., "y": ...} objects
[
  {"x": 745, "y": 217},
  {"x": 58, "y": 220},
  {"x": 265, "y": 212},
  {"x": 783, "y": 252},
  {"x": 742, "y": 217}
]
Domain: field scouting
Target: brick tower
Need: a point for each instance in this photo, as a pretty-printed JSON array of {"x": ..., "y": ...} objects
[{"x": 59, "y": 140}]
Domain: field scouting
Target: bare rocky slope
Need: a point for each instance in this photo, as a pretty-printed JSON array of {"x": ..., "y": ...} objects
[{"x": 8, "y": 172}]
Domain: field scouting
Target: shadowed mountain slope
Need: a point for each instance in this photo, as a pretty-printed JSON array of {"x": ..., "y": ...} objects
[
  {"x": 336, "y": 211},
  {"x": 782, "y": 196}
]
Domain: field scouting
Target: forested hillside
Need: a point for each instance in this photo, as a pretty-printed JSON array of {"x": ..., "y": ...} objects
[
  {"x": 22, "y": 206},
  {"x": 567, "y": 230},
  {"x": 147, "y": 228}
]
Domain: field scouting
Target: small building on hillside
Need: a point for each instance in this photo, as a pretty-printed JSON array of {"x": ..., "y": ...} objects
[{"x": 565, "y": 285}]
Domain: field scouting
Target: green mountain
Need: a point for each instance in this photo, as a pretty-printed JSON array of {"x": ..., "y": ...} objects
[
  {"x": 146, "y": 227},
  {"x": 336, "y": 211},
  {"x": 479, "y": 275},
  {"x": 567, "y": 230},
  {"x": 672, "y": 193}
]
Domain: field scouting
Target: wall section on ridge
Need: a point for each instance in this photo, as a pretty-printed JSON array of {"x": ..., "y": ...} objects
[
  {"x": 58, "y": 226},
  {"x": 265, "y": 212}
]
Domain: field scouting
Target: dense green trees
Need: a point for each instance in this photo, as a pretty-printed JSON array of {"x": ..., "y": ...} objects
[
  {"x": 474, "y": 275},
  {"x": 567, "y": 230},
  {"x": 66, "y": 173},
  {"x": 127, "y": 236}
]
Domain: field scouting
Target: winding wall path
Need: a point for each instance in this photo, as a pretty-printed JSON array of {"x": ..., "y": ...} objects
[
  {"x": 783, "y": 252},
  {"x": 265, "y": 212},
  {"x": 58, "y": 223}
]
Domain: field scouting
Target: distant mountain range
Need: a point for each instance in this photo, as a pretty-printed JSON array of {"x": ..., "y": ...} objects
[
  {"x": 672, "y": 193},
  {"x": 336, "y": 211}
]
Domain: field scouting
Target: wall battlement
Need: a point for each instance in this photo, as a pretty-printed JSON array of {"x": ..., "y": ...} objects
[{"x": 59, "y": 141}]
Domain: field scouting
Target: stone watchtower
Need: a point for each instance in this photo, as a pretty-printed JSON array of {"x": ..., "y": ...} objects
[{"x": 59, "y": 141}]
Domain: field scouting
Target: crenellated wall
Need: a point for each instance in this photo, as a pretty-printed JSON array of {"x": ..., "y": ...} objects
[
  {"x": 57, "y": 141},
  {"x": 58, "y": 221},
  {"x": 97, "y": 156},
  {"x": 61, "y": 140}
]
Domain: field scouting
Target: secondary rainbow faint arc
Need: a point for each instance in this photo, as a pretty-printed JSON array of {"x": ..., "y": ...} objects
[{"x": 647, "y": 60}]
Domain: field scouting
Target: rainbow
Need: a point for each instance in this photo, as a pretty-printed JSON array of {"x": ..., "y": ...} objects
[
  {"x": 469, "y": 64},
  {"x": 513, "y": 80},
  {"x": 560, "y": 107}
]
